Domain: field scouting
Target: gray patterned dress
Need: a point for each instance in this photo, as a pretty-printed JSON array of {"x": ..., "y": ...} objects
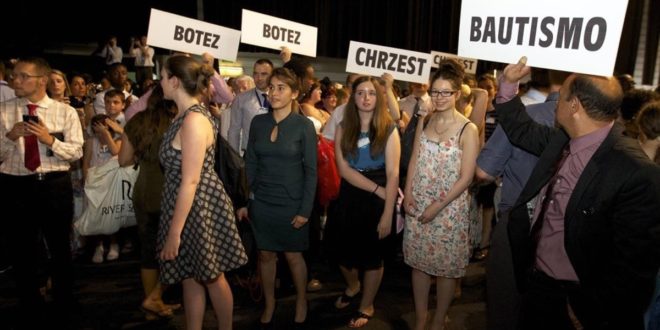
[{"x": 210, "y": 243}]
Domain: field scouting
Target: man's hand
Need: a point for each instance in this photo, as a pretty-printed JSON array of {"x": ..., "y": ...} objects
[
  {"x": 208, "y": 59},
  {"x": 19, "y": 129},
  {"x": 514, "y": 72},
  {"x": 40, "y": 131},
  {"x": 285, "y": 54}
]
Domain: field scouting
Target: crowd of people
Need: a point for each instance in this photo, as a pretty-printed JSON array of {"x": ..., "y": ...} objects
[{"x": 566, "y": 171}]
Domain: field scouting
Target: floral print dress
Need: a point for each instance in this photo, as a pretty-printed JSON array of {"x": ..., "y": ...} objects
[{"x": 441, "y": 246}]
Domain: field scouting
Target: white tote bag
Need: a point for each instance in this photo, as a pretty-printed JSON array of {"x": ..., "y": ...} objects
[{"x": 109, "y": 197}]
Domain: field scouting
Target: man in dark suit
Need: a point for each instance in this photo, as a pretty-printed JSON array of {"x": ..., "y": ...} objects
[{"x": 584, "y": 233}]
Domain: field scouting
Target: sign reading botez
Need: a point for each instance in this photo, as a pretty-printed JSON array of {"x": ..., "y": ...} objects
[
  {"x": 272, "y": 32},
  {"x": 576, "y": 36},
  {"x": 375, "y": 60},
  {"x": 188, "y": 35}
]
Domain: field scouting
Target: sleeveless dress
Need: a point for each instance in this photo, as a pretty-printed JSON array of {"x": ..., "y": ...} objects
[
  {"x": 210, "y": 244},
  {"x": 441, "y": 246},
  {"x": 351, "y": 236}
]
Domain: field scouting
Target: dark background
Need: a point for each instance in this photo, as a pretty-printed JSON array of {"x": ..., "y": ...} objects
[{"x": 420, "y": 25}]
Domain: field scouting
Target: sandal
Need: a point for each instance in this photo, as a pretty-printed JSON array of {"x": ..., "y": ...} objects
[
  {"x": 345, "y": 300},
  {"x": 152, "y": 315},
  {"x": 359, "y": 315}
]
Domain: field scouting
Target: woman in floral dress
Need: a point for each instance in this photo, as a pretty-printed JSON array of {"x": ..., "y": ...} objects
[{"x": 435, "y": 242}]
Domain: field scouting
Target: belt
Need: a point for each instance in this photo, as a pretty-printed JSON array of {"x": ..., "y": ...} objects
[{"x": 47, "y": 176}]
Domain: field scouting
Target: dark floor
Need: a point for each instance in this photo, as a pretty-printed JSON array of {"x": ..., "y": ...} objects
[{"x": 110, "y": 294}]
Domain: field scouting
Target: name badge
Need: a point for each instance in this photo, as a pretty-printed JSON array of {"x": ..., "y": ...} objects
[
  {"x": 490, "y": 120},
  {"x": 363, "y": 142},
  {"x": 263, "y": 110}
]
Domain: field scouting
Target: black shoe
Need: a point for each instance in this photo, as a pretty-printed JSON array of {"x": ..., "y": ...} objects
[
  {"x": 299, "y": 325},
  {"x": 266, "y": 326}
]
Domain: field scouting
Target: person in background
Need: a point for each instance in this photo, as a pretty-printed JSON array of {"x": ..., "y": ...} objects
[
  {"x": 34, "y": 175},
  {"x": 112, "y": 53},
  {"x": 249, "y": 104},
  {"x": 648, "y": 122},
  {"x": 141, "y": 143},
  {"x": 104, "y": 144},
  {"x": 58, "y": 86},
  {"x": 6, "y": 92},
  {"x": 144, "y": 60},
  {"x": 197, "y": 236},
  {"x": 367, "y": 150},
  {"x": 328, "y": 99}
]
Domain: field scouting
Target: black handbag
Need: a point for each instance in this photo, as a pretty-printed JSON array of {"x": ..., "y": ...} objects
[{"x": 230, "y": 167}]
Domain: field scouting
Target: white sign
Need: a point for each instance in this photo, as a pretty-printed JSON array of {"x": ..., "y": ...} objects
[
  {"x": 272, "y": 32},
  {"x": 375, "y": 60},
  {"x": 470, "y": 64},
  {"x": 189, "y": 35},
  {"x": 576, "y": 36}
]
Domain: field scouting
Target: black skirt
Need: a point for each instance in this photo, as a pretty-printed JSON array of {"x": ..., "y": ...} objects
[{"x": 351, "y": 232}]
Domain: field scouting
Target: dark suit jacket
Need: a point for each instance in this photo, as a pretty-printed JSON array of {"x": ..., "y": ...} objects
[{"x": 612, "y": 220}]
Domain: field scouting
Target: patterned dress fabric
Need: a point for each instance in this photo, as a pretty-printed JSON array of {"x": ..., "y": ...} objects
[
  {"x": 210, "y": 244},
  {"x": 441, "y": 246}
]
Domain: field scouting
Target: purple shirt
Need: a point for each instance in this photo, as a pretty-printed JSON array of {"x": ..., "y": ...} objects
[{"x": 551, "y": 257}]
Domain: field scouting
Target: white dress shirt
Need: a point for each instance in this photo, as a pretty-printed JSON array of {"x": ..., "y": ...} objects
[{"x": 62, "y": 122}]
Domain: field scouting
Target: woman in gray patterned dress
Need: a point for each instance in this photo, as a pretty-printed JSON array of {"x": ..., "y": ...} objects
[{"x": 197, "y": 238}]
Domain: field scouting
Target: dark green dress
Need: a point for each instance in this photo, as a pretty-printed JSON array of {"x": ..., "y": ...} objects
[{"x": 282, "y": 179}]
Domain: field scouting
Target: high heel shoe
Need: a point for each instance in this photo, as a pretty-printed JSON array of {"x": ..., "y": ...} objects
[
  {"x": 299, "y": 325},
  {"x": 268, "y": 325}
]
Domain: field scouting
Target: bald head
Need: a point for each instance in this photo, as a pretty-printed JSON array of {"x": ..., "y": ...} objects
[{"x": 600, "y": 96}]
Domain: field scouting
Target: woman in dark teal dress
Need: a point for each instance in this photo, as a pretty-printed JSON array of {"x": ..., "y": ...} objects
[{"x": 281, "y": 170}]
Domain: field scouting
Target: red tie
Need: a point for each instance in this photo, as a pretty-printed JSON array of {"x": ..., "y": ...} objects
[{"x": 32, "y": 160}]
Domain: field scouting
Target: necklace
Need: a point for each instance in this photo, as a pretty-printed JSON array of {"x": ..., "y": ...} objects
[
  {"x": 442, "y": 131},
  {"x": 435, "y": 128}
]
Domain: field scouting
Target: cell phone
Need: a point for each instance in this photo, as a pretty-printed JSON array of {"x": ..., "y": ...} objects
[{"x": 33, "y": 119}]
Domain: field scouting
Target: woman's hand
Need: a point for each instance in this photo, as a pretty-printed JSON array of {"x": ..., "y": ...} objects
[
  {"x": 409, "y": 204},
  {"x": 384, "y": 226},
  {"x": 171, "y": 248},
  {"x": 430, "y": 212},
  {"x": 380, "y": 192},
  {"x": 242, "y": 214},
  {"x": 299, "y": 221}
]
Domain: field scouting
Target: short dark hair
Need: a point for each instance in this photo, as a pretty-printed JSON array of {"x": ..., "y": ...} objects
[
  {"x": 600, "y": 99},
  {"x": 115, "y": 93},
  {"x": 648, "y": 120},
  {"x": 634, "y": 100},
  {"x": 262, "y": 61}
]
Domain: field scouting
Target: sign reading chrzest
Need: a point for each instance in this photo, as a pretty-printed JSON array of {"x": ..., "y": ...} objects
[
  {"x": 272, "y": 32},
  {"x": 375, "y": 60},
  {"x": 577, "y": 36},
  {"x": 470, "y": 64},
  {"x": 188, "y": 35}
]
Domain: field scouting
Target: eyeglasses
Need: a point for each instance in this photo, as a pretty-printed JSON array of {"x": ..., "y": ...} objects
[
  {"x": 436, "y": 93},
  {"x": 23, "y": 76}
]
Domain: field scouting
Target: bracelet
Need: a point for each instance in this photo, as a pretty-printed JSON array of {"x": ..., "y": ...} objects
[{"x": 373, "y": 192}]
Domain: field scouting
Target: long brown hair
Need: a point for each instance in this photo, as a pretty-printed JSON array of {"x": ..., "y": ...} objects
[
  {"x": 379, "y": 128},
  {"x": 152, "y": 122}
]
